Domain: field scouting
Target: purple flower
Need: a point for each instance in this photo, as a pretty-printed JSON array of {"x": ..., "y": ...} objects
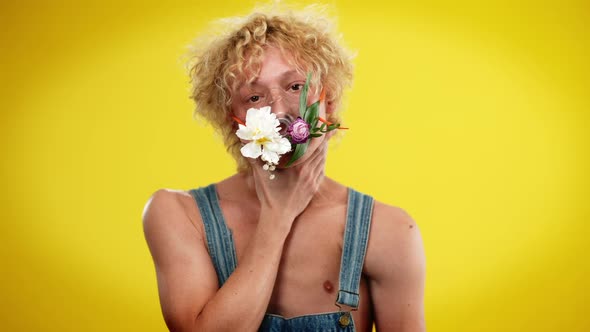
[{"x": 299, "y": 131}]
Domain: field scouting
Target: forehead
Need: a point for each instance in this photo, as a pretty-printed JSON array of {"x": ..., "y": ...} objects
[{"x": 273, "y": 65}]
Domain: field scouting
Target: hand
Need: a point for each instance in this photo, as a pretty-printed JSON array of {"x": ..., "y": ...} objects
[{"x": 292, "y": 189}]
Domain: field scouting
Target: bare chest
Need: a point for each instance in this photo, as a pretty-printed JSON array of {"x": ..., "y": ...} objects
[
  {"x": 308, "y": 275},
  {"x": 310, "y": 262}
]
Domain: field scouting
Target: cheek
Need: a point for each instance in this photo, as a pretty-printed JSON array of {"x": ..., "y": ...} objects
[{"x": 237, "y": 110}]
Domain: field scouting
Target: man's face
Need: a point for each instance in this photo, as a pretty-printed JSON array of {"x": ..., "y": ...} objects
[{"x": 278, "y": 85}]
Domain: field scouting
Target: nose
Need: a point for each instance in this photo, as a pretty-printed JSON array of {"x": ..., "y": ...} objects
[
  {"x": 275, "y": 96},
  {"x": 281, "y": 103}
]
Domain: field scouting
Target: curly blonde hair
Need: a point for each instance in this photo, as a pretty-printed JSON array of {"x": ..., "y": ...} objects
[{"x": 307, "y": 35}]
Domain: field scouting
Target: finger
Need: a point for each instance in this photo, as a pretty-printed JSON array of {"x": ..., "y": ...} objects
[
  {"x": 330, "y": 134},
  {"x": 320, "y": 156},
  {"x": 318, "y": 172},
  {"x": 250, "y": 160},
  {"x": 319, "y": 151},
  {"x": 323, "y": 148},
  {"x": 256, "y": 165},
  {"x": 254, "y": 162}
]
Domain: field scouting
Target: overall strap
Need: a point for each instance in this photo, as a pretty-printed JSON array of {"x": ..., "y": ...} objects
[
  {"x": 219, "y": 237},
  {"x": 356, "y": 236}
]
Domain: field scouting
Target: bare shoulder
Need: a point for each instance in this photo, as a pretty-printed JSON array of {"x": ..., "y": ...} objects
[
  {"x": 171, "y": 208},
  {"x": 171, "y": 200},
  {"x": 171, "y": 215},
  {"x": 395, "y": 266},
  {"x": 395, "y": 215},
  {"x": 394, "y": 237},
  {"x": 185, "y": 275}
]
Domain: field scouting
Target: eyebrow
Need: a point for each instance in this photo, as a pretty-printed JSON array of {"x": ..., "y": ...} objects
[{"x": 282, "y": 76}]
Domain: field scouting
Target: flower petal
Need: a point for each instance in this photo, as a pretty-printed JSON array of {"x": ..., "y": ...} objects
[
  {"x": 244, "y": 132},
  {"x": 252, "y": 117},
  {"x": 251, "y": 150},
  {"x": 262, "y": 130},
  {"x": 280, "y": 146},
  {"x": 270, "y": 156}
]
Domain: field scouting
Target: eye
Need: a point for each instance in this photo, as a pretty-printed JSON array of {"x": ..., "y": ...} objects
[
  {"x": 296, "y": 87},
  {"x": 254, "y": 99}
]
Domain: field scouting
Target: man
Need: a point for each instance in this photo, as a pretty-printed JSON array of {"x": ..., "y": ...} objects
[{"x": 301, "y": 251}]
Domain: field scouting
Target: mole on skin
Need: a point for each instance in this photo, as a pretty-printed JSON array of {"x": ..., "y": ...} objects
[{"x": 328, "y": 286}]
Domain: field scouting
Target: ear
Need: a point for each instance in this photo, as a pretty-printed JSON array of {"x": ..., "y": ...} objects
[
  {"x": 330, "y": 107},
  {"x": 326, "y": 103}
]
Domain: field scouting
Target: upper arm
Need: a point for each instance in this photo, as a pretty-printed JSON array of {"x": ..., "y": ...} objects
[
  {"x": 395, "y": 264},
  {"x": 185, "y": 275}
]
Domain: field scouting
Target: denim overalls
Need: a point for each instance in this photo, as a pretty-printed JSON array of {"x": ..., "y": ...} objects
[{"x": 358, "y": 221}]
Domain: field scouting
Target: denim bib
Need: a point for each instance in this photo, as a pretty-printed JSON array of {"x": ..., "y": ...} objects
[{"x": 358, "y": 222}]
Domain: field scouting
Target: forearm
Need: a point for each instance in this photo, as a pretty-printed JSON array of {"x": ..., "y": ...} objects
[{"x": 240, "y": 304}]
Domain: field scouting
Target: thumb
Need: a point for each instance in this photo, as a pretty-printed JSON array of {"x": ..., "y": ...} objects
[
  {"x": 256, "y": 164},
  {"x": 252, "y": 161}
]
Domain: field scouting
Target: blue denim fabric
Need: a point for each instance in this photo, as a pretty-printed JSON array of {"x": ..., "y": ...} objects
[{"x": 358, "y": 222}]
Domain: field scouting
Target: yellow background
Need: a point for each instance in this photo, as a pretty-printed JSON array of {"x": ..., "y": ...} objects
[{"x": 472, "y": 116}]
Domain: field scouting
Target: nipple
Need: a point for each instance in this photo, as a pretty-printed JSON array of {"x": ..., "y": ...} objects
[{"x": 328, "y": 286}]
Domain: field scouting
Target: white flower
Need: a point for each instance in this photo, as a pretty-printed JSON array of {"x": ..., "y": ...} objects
[{"x": 262, "y": 130}]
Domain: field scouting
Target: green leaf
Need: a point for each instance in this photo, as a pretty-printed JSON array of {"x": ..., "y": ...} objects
[
  {"x": 312, "y": 114},
  {"x": 303, "y": 97},
  {"x": 333, "y": 126},
  {"x": 315, "y": 121},
  {"x": 315, "y": 135},
  {"x": 299, "y": 151}
]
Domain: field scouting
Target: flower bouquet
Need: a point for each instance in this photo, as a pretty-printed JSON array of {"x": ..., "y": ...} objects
[{"x": 262, "y": 130}]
